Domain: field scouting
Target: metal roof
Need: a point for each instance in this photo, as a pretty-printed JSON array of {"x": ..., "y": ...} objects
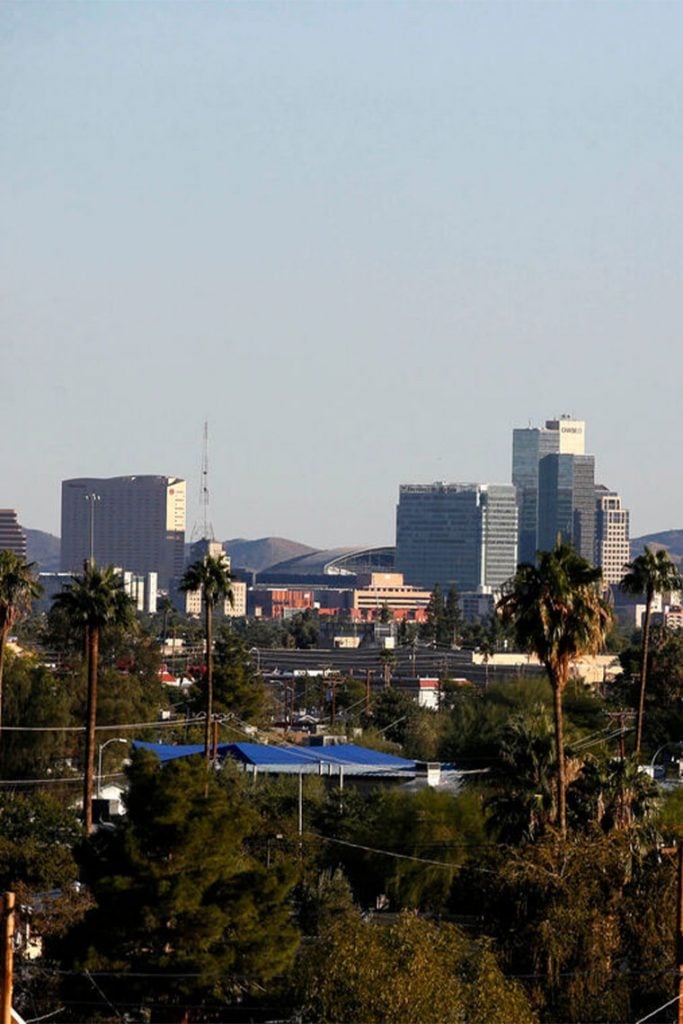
[
  {"x": 170, "y": 751},
  {"x": 354, "y": 760}
]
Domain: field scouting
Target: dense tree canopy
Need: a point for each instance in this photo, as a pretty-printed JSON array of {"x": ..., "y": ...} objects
[
  {"x": 651, "y": 573},
  {"x": 413, "y": 970},
  {"x": 182, "y": 911},
  {"x": 558, "y": 615}
]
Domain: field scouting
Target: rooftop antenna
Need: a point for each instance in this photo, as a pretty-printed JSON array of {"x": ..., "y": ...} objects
[{"x": 204, "y": 527}]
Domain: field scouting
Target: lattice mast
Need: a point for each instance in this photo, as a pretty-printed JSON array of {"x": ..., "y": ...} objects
[{"x": 203, "y": 529}]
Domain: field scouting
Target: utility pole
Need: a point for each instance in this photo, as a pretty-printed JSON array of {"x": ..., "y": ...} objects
[
  {"x": 368, "y": 676},
  {"x": 215, "y": 740},
  {"x": 7, "y": 911},
  {"x": 678, "y": 935},
  {"x": 679, "y": 932}
]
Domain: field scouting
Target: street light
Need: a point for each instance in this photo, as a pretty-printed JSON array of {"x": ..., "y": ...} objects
[
  {"x": 114, "y": 739},
  {"x": 92, "y": 498},
  {"x": 672, "y": 743}
]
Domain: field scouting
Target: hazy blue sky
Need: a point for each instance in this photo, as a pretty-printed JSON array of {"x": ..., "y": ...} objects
[{"x": 364, "y": 240}]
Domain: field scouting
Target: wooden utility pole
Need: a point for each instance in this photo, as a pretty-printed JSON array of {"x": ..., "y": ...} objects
[
  {"x": 679, "y": 932},
  {"x": 678, "y": 935},
  {"x": 7, "y": 911},
  {"x": 214, "y": 757},
  {"x": 368, "y": 677}
]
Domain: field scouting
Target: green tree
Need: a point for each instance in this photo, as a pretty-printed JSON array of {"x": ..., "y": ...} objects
[
  {"x": 649, "y": 574},
  {"x": 452, "y": 624},
  {"x": 557, "y": 614},
  {"x": 212, "y": 577},
  {"x": 390, "y": 712},
  {"x": 183, "y": 913},
  {"x": 615, "y": 795},
  {"x": 412, "y": 970},
  {"x": 18, "y": 589},
  {"x": 522, "y": 803},
  {"x": 238, "y": 689},
  {"x": 91, "y": 602},
  {"x": 303, "y": 630},
  {"x": 36, "y": 700},
  {"x": 577, "y": 919}
]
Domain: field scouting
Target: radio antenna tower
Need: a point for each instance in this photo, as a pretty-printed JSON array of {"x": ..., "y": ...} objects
[{"x": 204, "y": 526}]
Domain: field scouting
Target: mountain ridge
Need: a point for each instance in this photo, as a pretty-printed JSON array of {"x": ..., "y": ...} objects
[{"x": 43, "y": 548}]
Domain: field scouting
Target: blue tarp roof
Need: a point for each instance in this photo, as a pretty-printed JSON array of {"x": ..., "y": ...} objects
[
  {"x": 290, "y": 758},
  {"x": 170, "y": 751},
  {"x": 347, "y": 754}
]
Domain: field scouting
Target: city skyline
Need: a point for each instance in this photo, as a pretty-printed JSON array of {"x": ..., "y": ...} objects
[{"x": 363, "y": 241}]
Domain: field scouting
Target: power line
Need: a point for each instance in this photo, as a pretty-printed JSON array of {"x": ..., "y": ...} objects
[
  {"x": 392, "y": 853},
  {"x": 658, "y": 1010},
  {"x": 167, "y": 723}
]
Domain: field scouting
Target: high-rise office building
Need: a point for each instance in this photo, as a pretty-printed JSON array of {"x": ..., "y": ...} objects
[
  {"x": 566, "y": 502},
  {"x": 612, "y": 541},
  {"x": 134, "y": 522},
  {"x": 529, "y": 446},
  {"x": 462, "y": 534},
  {"x": 12, "y": 537}
]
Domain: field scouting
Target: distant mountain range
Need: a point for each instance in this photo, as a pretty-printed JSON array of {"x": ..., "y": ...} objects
[
  {"x": 672, "y": 540},
  {"x": 254, "y": 555},
  {"x": 257, "y": 555},
  {"x": 43, "y": 549}
]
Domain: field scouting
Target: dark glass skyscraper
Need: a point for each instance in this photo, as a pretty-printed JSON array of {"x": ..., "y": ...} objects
[
  {"x": 462, "y": 534},
  {"x": 566, "y": 502},
  {"x": 529, "y": 446}
]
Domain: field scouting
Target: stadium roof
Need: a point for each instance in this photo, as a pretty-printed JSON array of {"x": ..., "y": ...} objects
[{"x": 334, "y": 562}]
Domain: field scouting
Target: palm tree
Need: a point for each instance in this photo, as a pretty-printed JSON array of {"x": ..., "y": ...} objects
[
  {"x": 558, "y": 615},
  {"x": 91, "y": 602},
  {"x": 649, "y": 574},
  {"x": 18, "y": 588},
  {"x": 523, "y": 801},
  {"x": 211, "y": 576}
]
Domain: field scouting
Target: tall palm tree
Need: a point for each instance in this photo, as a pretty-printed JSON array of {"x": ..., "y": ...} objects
[
  {"x": 211, "y": 576},
  {"x": 18, "y": 588},
  {"x": 649, "y": 574},
  {"x": 91, "y": 602},
  {"x": 557, "y": 614}
]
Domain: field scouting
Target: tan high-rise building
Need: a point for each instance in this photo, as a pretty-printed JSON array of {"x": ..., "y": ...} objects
[
  {"x": 612, "y": 543},
  {"x": 134, "y": 522},
  {"x": 571, "y": 435},
  {"x": 12, "y": 537}
]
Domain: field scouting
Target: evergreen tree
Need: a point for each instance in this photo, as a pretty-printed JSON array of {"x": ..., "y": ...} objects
[{"x": 183, "y": 912}]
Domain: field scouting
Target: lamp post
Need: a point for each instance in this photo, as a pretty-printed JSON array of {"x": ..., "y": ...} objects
[
  {"x": 114, "y": 739},
  {"x": 91, "y": 498},
  {"x": 658, "y": 751}
]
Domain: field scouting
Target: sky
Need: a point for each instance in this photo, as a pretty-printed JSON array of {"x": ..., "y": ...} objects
[{"x": 362, "y": 240}]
